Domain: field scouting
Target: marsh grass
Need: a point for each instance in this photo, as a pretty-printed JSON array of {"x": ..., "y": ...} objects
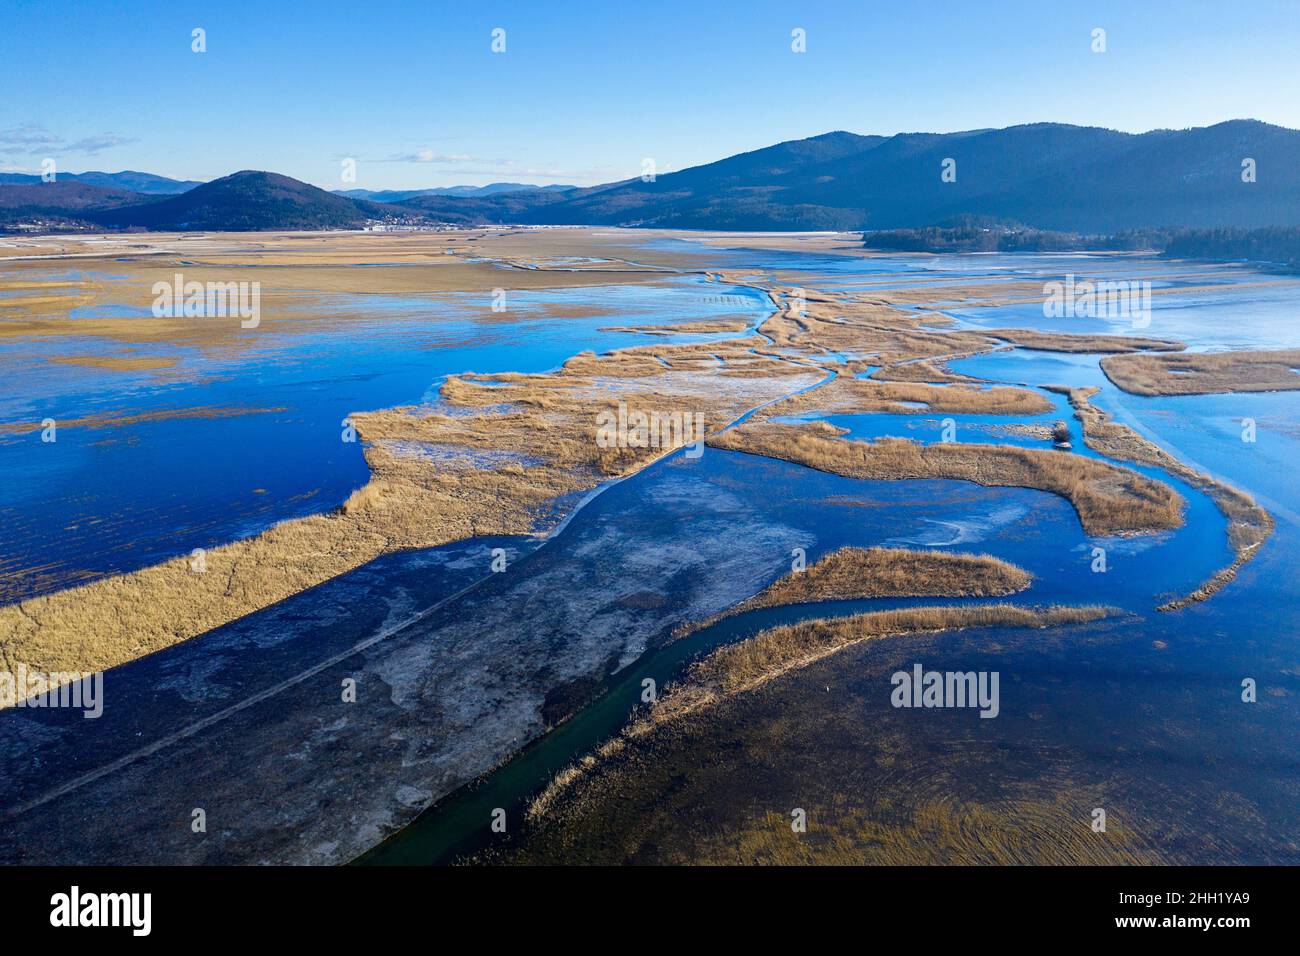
[
  {"x": 1204, "y": 373},
  {"x": 1108, "y": 499},
  {"x": 545, "y": 420},
  {"x": 858, "y": 573},
  {"x": 1249, "y": 524},
  {"x": 925, "y": 371},
  {"x": 744, "y": 667},
  {"x": 848, "y": 395},
  {"x": 410, "y": 501},
  {"x": 1085, "y": 343},
  {"x": 684, "y": 328}
]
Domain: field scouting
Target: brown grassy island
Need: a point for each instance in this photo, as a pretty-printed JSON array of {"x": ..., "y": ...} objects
[
  {"x": 1108, "y": 499},
  {"x": 1204, "y": 373},
  {"x": 857, "y": 573}
]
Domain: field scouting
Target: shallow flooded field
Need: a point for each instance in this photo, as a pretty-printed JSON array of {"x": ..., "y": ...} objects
[
  {"x": 148, "y": 465},
  {"x": 1141, "y": 716},
  {"x": 481, "y": 682}
]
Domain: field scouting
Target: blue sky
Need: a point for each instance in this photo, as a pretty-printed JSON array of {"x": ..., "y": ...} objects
[{"x": 585, "y": 91}]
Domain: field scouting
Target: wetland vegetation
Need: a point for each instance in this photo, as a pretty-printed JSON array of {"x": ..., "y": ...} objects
[{"x": 772, "y": 368}]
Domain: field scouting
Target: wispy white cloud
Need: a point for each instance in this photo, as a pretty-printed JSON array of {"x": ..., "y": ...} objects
[
  {"x": 26, "y": 138},
  {"x": 429, "y": 156},
  {"x": 33, "y": 138},
  {"x": 99, "y": 143}
]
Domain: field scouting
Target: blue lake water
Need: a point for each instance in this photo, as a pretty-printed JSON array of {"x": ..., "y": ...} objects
[
  {"x": 1158, "y": 696},
  {"x": 1174, "y": 722},
  {"x": 700, "y": 533},
  {"x": 840, "y": 270},
  {"x": 1247, "y": 318},
  {"x": 1168, "y": 560},
  {"x": 103, "y": 500}
]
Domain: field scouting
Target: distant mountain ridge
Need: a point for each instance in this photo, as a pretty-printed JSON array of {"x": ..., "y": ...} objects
[
  {"x": 67, "y": 199},
  {"x": 246, "y": 200},
  {"x": 1046, "y": 176},
  {"x": 129, "y": 179}
]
